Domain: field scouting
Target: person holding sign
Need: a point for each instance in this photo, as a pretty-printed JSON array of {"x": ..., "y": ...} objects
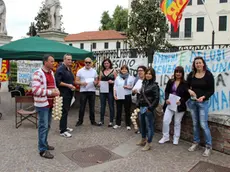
[
  {"x": 201, "y": 88},
  {"x": 122, "y": 93},
  {"x": 137, "y": 87},
  {"x": 148, "y": 101},
  {"x": 176, "y": 94},
  {"x": 87, "y": 79},
  {"x": 106, "y": 82}
]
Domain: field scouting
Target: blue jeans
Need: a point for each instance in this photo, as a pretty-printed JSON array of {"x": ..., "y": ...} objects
[
  {"x": 44, "y": 121},
  {"x": 199, "y": 112},
  {"x": 103, "y": 97},
  {"x": 147, "y": 127}
]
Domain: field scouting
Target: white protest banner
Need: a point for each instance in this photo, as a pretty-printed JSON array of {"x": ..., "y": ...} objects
[
  {"x": 132, "y": 63},
  {"x": 218, "y": 62},
  {"x": 25, "y": 70}
]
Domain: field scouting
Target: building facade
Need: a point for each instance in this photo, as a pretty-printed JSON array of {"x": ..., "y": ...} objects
[
  {"x": 98, "y": 40},
  {"x": 198, "y": 22}
]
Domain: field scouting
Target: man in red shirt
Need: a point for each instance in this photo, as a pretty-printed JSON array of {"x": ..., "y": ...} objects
[{"x": 44, "y": 90}]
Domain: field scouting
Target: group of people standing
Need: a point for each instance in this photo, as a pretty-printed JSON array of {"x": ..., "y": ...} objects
[{"x": 197, "y": 90}]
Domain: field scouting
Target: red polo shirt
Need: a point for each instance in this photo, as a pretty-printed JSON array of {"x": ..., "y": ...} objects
[{"x": 50, "y": 85}]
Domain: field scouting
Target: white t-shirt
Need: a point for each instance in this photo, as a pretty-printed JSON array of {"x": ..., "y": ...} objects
[{"x": 87, "y": 75}]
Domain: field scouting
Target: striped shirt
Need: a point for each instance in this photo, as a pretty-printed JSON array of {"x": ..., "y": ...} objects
[{"x": 39, "y": 88}]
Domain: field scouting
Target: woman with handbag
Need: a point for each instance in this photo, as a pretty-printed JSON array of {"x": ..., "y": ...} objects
[{"x": 148, "y": 101}]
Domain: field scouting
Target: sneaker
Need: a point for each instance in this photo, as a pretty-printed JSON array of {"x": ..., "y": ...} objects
[
  {"x": 69, "y": 129},
  {"x": 128, "y": 128},
  {"x": 116, "y": 126},
  {"x": 163, "y": 140},
  {"x": 100, "y": 123},
  {"x": 46, "y": 154},
  {"x": 110, "y": 124},
  {"x": 175, "y": 141},
  {"x": 66, "y": 134},
  {"x": 207, "y": 151},
  {"x": 50, "y": 147},
  {"x": 193, "y": 147}
]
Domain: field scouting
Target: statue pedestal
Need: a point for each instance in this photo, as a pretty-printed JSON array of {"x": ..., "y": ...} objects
[
  {"x": 53, "y": 35},
  {"x": 4, "y": 39}
]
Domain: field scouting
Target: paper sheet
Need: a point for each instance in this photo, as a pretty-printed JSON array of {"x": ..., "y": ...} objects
[
  {"x": 120, "y": 92},
  {"x": 88, "y": 80},
  {"x": 104, "y": 87},
  {"x": 173, "y": 99},
  {"x": 138, "y": 86},
  {"x": 72, "y": 101},
  {"x": 90, "y": 84}
]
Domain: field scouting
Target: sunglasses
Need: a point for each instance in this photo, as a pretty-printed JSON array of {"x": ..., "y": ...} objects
[{"x": 87, "y": 62}]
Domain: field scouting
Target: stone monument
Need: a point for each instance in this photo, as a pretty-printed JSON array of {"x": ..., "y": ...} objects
[
  {"x": 54, "y": 32},
  {"x": 4, "y": 39}
]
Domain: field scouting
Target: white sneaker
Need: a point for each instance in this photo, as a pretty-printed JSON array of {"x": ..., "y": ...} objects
[
  {"x": 116, "y": 126},
  {"x": 193, "y": 147},
  {"x": 175, "y": 141},
  {"x": 66, "y": 134},
  {"x": 207, "y": 152},
  {"x": 163, "y": 140},
  {"x": 128, "y": 128},
  {"x": 69, "y": 129}
]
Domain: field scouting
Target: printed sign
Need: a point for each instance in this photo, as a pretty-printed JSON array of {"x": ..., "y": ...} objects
[
  {"x": 25, "y": 70},
  {"x": 132, "y": 63}
]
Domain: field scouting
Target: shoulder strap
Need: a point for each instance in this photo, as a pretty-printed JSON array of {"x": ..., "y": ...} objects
[{"x": 146, "y": 99}]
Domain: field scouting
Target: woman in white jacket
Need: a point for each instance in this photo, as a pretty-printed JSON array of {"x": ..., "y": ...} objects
[{"x": 124, "y": 84}]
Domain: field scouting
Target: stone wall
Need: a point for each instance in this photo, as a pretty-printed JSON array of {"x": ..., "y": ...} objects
[{"x": 219, "y": 126}]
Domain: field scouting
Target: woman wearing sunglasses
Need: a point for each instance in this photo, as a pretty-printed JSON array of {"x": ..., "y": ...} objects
[{"x": 176, "y": 86}]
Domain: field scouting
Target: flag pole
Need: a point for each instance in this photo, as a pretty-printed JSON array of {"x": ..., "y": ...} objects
[{"x": 213, "y": 31}]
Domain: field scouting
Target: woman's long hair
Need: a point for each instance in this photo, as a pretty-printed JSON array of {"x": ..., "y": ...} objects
[
  {"x": 153, "y": 73},
  {"x": 108, "y": 60},
  {"x": 193, "y": 64},
  {"x": 180, "y": 69}
]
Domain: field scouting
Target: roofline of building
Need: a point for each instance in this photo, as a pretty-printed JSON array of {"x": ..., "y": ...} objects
[{"x": 95, "y": 40}]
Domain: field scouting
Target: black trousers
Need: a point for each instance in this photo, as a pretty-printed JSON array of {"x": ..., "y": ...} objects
[
  {"x": 127, "y": 104},
  {"x": 65, "y": 110},
  {"x": 84, "y": 96}
]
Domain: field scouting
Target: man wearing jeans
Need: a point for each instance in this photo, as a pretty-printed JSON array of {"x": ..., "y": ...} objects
[
  {"x": 65, "y": 80},
  {"x": 44, "y": 90},
  {"x": 87, "y": 78}
]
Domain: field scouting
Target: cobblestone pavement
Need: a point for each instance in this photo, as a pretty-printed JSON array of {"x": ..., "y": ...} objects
[{"x": 18, "y": 148}]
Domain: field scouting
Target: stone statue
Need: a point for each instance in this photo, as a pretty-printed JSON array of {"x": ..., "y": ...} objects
[
  {"x": 54, "y": 7},
  {"x": 3, "y": 18}
]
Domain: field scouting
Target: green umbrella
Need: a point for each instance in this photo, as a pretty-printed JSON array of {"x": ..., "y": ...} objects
[{"x": 34, "y": 48}]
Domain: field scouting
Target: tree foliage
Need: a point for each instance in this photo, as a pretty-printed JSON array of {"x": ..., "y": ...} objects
[
  {"x": 42, "y": 18},
  {"x": 120, "y": 18},
  {"x": 118, "y": 21},
  {"x": 106, "y": 21},
  {"x": 147, "y": 26}
]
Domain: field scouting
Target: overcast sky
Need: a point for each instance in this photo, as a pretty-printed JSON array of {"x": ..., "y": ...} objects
[{"x": 78, "y": 15}]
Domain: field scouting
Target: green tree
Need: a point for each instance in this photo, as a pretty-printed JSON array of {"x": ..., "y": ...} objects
[
  {"x": 42, "y": 18},
  {"x": 106, "y": 21},
  {"x": 147, "y": 27},
  {"x": 118, "y": 22},
  {"x": 120, "y": 18}
]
